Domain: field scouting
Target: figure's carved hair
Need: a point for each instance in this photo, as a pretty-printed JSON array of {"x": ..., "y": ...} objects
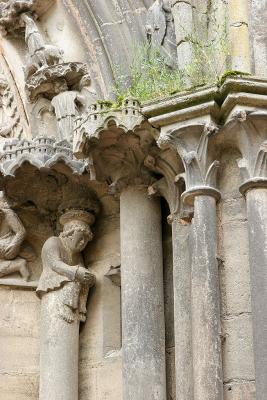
[{"x": 75, "y": 228}]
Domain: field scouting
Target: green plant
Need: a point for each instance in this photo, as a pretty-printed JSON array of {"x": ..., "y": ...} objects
[{"x": 150, "y": 76}]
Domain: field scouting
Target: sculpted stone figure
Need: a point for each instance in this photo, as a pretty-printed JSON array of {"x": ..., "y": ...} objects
[
  {"x": 41, "y": 54},
  {"x": 65, "y": 278},
  {"x": 161, "y": 32},
  {"x": 65, "y": 105},
  {"x": 10, "y": 118},
  {"x": 13, "y": 256}
]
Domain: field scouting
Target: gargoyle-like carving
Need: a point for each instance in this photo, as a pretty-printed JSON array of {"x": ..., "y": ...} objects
[
  {"x": 161, "y": 32},
  {"x": 41, "y": 54},
  {"x": 64, "y": 272},
  {"x": 200, "y": 174},
  {"x": 14, "y": 254},
  {"x": 42, "y": 152}
]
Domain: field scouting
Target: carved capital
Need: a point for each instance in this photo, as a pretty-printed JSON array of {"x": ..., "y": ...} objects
[
  {"x": 252, "y": 142},
  {"x": 200, "y": 169}
]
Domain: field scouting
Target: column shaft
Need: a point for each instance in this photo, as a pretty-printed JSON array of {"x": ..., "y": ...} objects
[
  {"x": 206, "y": 344},
  {"x": 182, "y": 311},
  {"x": 59, "y": 352},
  {"x": 143, "y": 330},
  {"x": 257, "y": 224}
]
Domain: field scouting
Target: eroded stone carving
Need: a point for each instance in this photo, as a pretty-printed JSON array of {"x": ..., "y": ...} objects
[
  {"x": 14, "y": 254},
  {"x": 89, "y": 126},
  {"x": 45, "y": 81},
  {"x": 11, "y": 10},
  {"x": 41, "y": 54},
  {"x": 65, "y": 105},
  {"x": 64, "y": 273},
  {"x": 42, "y": 152},
  {"x": 200, "y": 173},
  {"x": 11, "y": 125},
  {"x": 253, "y": 145},
  {"x": 161, "y": 32}
]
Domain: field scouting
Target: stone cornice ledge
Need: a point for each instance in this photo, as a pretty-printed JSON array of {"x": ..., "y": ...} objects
[{"x": 216, "y": 101}]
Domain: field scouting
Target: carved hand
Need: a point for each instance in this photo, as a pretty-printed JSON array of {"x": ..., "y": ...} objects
[
  {"x": 84, "y": 276},
  {"x": 11, "y": 251}
]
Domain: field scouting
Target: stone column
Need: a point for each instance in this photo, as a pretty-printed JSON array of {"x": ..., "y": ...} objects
[
  {"x": 166, "y": 165},
  {"x": 252, "y": 135},
  {"x": 256, "y": 199},
  {"x": 206, "y": 345},
  {"x": 182, "y": 310},
  {"x": 59, "y": 343},
  {"x": 143, "y": 330},
  {"x": 200, "y": 179}
]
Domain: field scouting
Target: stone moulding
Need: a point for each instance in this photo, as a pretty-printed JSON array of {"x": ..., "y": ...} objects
[
  {"x": 43, "y": 82},
  {"x": 42, "y": 152},
  {"x": 89, "y": 127}
]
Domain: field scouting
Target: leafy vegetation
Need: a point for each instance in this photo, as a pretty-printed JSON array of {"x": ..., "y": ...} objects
[{"x": 150, "y": 77}]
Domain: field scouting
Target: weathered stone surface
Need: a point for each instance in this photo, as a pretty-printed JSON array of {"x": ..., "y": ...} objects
[{"x": 143, "y": 331}]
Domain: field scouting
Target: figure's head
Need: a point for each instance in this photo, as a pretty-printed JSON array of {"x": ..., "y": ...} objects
[
  {"x": 76, "y": 236},
  {"x": 84, "y": 81},
  {"x": 76, "y": 229},
  {"x": 60, "y": 86}
]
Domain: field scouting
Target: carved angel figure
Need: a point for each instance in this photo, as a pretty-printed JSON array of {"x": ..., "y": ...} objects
[
  {"x": 13, "y": 255},
  {"x": 65, "y": 278}
]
